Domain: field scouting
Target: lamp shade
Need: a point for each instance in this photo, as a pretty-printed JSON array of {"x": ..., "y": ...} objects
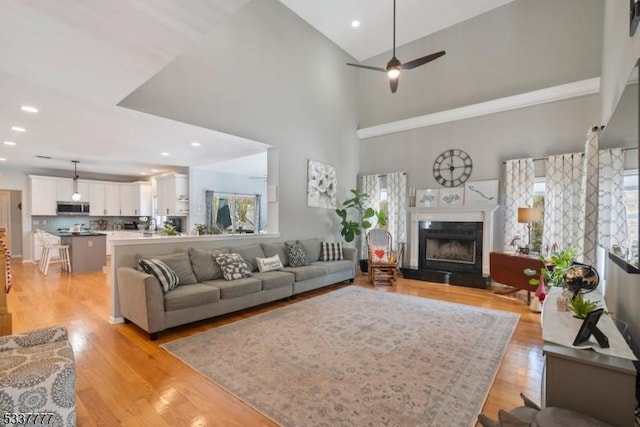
[{"x": 528, "y": 215}]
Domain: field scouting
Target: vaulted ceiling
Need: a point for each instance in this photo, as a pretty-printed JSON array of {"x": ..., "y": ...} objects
[{"x": 76, "y": 60}]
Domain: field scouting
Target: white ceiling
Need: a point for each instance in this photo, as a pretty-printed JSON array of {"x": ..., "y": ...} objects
[{"x": 75, "y": 60}]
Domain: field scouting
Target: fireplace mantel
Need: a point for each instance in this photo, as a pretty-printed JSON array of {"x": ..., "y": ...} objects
[{"x": 484, "y": 214}]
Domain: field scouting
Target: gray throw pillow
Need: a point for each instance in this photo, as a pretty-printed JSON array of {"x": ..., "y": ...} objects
[
  {"x": 233, "y": 266},
  {"x": 296, "y": 253},
  {"x": 204, "y": 263}
]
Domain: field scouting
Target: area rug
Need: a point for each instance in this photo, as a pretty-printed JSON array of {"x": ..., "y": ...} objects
[{"x": 357, "y": 357}]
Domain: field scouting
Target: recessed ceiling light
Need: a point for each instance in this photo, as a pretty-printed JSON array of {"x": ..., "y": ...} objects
[
  {"x": 154, "y": 170},
  {"x": 2, "y": 159},
  {"x": 143, "y": 173},
  {"x": 355, "y": 23},
  {"x": 195, "y": 144},
  {"x": 29, "y": 109},
  {"x": 18, "y": 129},
  {"x": 9, "y": 143},
  {"x": 164, "y": 153}
]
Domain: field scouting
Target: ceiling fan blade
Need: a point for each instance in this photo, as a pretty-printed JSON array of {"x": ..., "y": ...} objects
[
  {"x": 384, "y": 70},
  {"x": 421, "y": 61},
  {"x": 394, "y": 84}
]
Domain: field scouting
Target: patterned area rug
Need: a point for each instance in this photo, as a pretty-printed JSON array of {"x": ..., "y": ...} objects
[{"x": 357, "y": 357}]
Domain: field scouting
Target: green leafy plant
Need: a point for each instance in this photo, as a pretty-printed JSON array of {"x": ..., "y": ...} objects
[
  {"x": 352, "y": 227},
  {"x": 581, "y": 307},
  {"x": 169, "y": 230},
  {"x": 203, "y": 229},
  {"x": 554, "y": 268}
]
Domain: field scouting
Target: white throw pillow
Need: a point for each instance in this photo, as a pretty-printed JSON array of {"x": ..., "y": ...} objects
[{"x": 269, "y": 264}]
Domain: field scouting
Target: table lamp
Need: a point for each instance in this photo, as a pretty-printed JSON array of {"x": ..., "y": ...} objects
[{"x": 528, "y": 215}]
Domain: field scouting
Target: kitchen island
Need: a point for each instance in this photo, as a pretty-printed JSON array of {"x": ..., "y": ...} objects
[{"x": 87, "y": 250}]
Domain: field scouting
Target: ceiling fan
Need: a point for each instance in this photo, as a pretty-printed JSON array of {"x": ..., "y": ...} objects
[{"x": 394, "y": 65}]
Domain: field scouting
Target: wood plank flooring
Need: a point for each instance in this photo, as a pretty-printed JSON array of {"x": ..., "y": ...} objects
[{"x": 122, "y": 378}]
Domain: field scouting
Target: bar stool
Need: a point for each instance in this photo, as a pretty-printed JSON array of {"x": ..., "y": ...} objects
[{"x": 47, "y": 251}]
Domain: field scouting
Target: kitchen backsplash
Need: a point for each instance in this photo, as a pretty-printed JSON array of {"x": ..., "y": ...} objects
[{"x": 53, "y": 223}]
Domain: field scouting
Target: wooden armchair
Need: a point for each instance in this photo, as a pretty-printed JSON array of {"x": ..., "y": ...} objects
[{"x": 383, "y": 268}]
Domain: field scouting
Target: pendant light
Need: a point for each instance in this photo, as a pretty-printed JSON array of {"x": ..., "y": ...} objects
[{"x": 76, "y": 196}]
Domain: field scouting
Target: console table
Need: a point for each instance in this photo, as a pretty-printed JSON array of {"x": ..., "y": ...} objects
[
  {"x": 508, "y": 269},
  {"x": 594, "y": 381}
]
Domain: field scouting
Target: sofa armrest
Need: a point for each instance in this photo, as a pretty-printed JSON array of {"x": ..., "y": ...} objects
[
  {"x": 141, "y": 299},
  {"x": 349, "y": 253},
  {"x": 34, "y": 338}
]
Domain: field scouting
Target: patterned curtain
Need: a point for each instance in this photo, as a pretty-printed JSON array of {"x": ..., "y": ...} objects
[
  {"x": 612, "y": 215},
  {"x": 564, "y": 202},
  {"x": 371, "y": 186},
  {"x": 397, "y": 199},
  {"x": 518, "y": 192},
  {"x": 590, "y": 197}
]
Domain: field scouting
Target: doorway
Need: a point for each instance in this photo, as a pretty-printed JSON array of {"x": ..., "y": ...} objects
[{"x": 11, "y": 219}]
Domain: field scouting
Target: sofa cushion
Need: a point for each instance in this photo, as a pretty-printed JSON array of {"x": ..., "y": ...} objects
[
  {"x": 167, "y": 278},
  {"x": 190, "y": 296},
  {"x": 312, "y": 249},
  {"x": 274, "y": 279},
  {"x": 236, "y": 288},
  {"x": 233, "y": 266},
  {"x": 271, "y": 249},
  {"x": 250, "y": 253},
  {"x": 180, "y": 263},
  {"x": 204, "y": 264},
  {"x": 331, "y": 251},
  {"x": 296, "y": 253},
  {"x": 269, "y": 264},
  {"x": 307, "y": 272},
  {"x": 334, "y": 266}
]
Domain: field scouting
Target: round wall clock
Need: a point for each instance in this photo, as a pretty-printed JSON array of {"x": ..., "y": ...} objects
[{"x": 452, "y": 168}]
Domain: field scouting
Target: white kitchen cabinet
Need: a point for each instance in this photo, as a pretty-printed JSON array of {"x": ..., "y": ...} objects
[
  {"x": 135, "y": 199},
  {"x": 173, "y": 195},
  {"x": 64, "y": 189},
  {"x": 111, "y": 199},
  {"x": 43, "y": 195},
  {"x": 96, "y": 199}
]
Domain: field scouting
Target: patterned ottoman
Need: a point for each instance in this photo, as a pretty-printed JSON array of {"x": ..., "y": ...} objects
[{"x": 37, "y": 378}]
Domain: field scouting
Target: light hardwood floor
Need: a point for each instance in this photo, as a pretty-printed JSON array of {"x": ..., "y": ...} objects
[{"x": 123, "y": 378}]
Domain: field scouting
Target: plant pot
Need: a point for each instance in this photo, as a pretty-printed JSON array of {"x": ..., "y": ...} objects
[{"x": 364, "y": 265}]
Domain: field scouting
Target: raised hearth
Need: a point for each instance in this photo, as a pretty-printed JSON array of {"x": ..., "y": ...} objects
[{"x": 451, "y": 245}]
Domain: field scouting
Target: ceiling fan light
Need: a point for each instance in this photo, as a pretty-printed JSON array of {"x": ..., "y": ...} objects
[{"x": 393, "y": 73}]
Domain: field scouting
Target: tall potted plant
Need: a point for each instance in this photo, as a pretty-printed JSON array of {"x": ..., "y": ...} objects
[{"x": 358, "y": 225}]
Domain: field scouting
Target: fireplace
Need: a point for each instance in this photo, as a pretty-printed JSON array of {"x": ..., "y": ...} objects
[{"x": 451, "y": 246}]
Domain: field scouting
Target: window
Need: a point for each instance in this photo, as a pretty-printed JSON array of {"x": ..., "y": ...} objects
[
  {"x": 234, "y": 213},
  {"x": 631, "y": 205}
]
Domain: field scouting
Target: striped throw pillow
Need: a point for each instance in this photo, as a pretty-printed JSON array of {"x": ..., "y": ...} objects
[
  {"x": 331, "y": 251},
  {"x": 166, "y": 276}
]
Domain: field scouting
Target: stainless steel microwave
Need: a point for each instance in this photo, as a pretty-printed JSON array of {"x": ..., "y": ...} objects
[{"x": 73, "y": 208}]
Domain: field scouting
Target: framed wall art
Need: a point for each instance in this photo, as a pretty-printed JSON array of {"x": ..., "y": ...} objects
[
  {"x": 481, "y": 193},
  {"x": 426, "y": 198},
  {"x": 321, "y": 185},
  {"x": 451, "y": 196}
]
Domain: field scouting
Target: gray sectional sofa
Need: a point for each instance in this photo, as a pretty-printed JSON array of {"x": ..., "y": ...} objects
[{"x": 203, "y": 292}]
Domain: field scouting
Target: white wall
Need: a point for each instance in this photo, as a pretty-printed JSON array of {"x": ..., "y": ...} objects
[{"x": 267, "y": 75}]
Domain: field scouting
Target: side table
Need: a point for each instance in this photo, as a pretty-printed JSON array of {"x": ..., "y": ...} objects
[{"x": 508, "y": 268}]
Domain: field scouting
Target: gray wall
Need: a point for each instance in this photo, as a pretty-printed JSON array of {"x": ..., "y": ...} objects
[
  {"x": 517, "y": 48},
  {"x": 267, "y": 75},
  {"x": 522, "y": 46}
]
